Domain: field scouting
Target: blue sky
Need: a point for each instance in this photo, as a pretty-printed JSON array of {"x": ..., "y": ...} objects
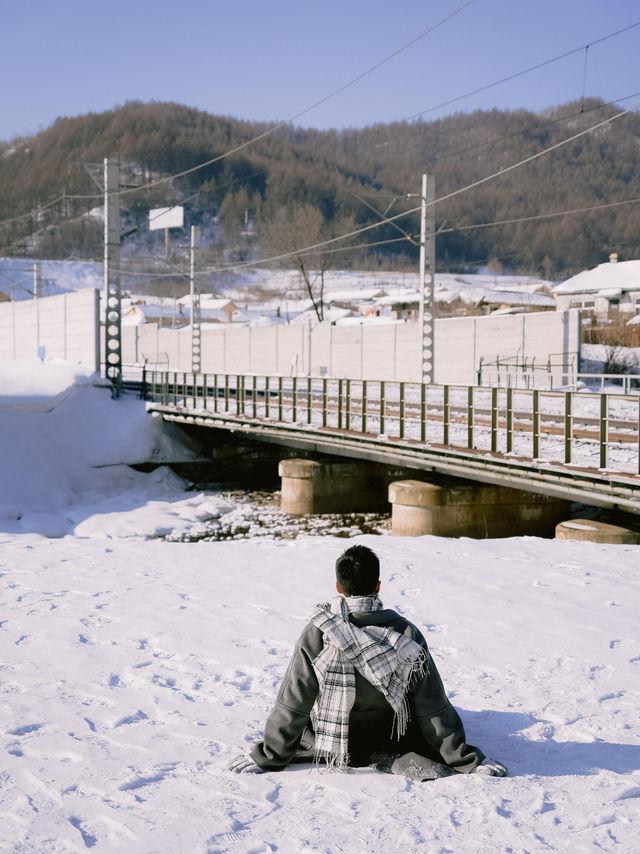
[{"x": 269, "y": 61}]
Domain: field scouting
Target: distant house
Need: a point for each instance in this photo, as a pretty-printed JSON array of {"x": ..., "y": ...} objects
[
  {"x": 405, "y": 304},
  {"x": 359, "y": 301},
  {"x": 162, "y": 314},
  {"x": 212, "y": 309},
  {"x": 515, "y": 302},
  {"x": 400, "y": 304},
  {"x": 610, "y": 287},
  {"x": 331, "y": 314}
]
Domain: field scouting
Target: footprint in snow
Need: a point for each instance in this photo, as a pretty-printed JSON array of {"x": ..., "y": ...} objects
[
  {"x": 612, "y": 695},
  {"x": 132, "y": 719},
  {"x": 140, "y": 781},
  {"x": 24, "y": 730},
  {"x": 88, "y": 839}
]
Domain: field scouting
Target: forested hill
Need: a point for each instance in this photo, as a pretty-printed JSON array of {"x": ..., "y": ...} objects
[{"x": 295, "y": 186}]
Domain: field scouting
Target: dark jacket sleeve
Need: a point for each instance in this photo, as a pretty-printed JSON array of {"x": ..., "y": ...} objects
[
  {"x": 290, "y": 715},
  {"x": 439, "y": 723}
]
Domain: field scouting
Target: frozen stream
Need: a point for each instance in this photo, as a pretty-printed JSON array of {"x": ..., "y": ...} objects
[{"x": 252, "y": 514}]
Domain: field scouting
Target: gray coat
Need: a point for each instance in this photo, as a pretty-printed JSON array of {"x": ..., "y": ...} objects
[{"x": 435, "y": 729}]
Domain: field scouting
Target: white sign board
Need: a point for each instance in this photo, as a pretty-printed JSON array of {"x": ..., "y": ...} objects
[{"x": 166, "y": 217}]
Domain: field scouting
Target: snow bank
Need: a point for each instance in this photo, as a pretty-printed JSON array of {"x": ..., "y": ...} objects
[
  {"x": 65, "y": 451},
  {"x": 132, "y": 674}
]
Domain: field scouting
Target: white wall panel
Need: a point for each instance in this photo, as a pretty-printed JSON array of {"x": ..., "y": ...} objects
[
  {"x": 65, "y": 325},
  {"x": 374, "y": 351}
]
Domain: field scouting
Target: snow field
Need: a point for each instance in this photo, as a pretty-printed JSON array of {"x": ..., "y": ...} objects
[{"x": 132, "y": 672}]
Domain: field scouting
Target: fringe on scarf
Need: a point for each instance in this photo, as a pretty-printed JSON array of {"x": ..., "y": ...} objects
[{"x": 402, "y": 716}]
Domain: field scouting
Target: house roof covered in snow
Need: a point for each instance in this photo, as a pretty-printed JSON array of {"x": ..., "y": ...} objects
[
  {"x": 620, "y": 275},
  {"x": 354, "y": 295},
  {"x": 331, "y": 314},
  {"x": 511, "y": 298},
  {"x": 396, "y": 296}
]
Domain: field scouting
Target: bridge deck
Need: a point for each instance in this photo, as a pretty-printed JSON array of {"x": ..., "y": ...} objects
[{"x": 545, "y": 442}]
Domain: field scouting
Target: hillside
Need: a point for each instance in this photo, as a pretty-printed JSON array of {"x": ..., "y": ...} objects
[{"x": 295, "y": 187}]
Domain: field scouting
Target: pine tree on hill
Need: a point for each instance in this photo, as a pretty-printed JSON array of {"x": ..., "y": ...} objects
[{"x": 344, "y": 176}]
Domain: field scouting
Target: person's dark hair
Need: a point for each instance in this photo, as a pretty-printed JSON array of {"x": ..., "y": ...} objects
[{"x": 358, "y": 571}]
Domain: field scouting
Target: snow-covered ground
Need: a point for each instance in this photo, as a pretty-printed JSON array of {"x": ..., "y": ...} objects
[
  {"x": 16, "y": 276},
  {"x": 65, "y": 459},
  {"x": 340, "y": 285},
  {"x": 251, "y": 285},
  {"x": 132, "y": 671}
]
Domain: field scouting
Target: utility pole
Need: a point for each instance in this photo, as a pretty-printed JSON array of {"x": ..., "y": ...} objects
[
  {"x": 37, "y": 280},
  {"x": 37, "y": 293},
  {"x": 427, "y": 279},
  {"x": 196, "y": 329},
  {"x": 112, "y": 292}
]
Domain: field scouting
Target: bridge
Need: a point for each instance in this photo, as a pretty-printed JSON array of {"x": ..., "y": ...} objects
[{"x": 576, "y": 446}]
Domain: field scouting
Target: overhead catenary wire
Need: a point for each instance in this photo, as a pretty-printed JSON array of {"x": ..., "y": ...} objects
[
  {"x": 499, "y": 222},
  {"x": 356, "y": 79},
  {"x": 77, "y": 196},
  {"x": 444, "y": 230},
  {"x": 459, "y": 191},
  {"x": 306, "y": 110},
  {"x": 389, "y": 220},
  {"x": 533, "y": 217},
  {"x": 436, "y": 158},
  {"x": 520, "y": 73},
  {"x": 417, "y": 164},
  {"x": 274, "y": 128}
]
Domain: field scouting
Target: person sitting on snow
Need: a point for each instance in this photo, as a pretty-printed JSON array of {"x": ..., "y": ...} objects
[{"x": 362, "y": 689}]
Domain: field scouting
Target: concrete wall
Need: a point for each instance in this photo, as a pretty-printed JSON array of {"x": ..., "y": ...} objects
[
  {"x": 66, "y": 326},
  {"x": 375, "y": 351},
  {"x": 540, "y": 336}
]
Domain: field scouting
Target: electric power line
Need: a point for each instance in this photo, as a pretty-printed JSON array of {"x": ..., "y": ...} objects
[
  {"x": 435, "y": 158},
  {"x": 473, "y": 185},
  {"x": 271, "y": 130},
  {"x": 533, "y": 217},
  {"x": 370, "y": 245},
  {"x": 306, "y": 110},
  {"x": 521, "y": 73},
  {"x": 331, "y": 95},
  {"x": 342, "y": 88}
]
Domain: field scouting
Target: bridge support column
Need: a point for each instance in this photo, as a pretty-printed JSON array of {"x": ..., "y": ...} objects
[
  {"x": 595, "y": 531},
  {"x": 452, "y": 508},
  {"x": 309, "y": 487}
]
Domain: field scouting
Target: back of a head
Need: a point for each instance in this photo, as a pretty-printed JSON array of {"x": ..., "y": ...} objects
[{"x": 358, "y": 571}]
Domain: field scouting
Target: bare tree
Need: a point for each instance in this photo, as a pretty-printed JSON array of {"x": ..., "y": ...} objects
[{"x": 296, "y": 228}]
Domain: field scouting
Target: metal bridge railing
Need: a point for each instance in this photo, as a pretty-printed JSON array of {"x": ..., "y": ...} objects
[{"x": 590, "y": 429}]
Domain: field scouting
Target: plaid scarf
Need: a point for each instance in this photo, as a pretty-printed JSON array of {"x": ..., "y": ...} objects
[{"x": 386, "y": 659}]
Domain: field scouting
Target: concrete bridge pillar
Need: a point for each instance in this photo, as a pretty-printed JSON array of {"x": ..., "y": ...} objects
[
  {"x": 309, "y": 487},
  {"x": 456, "y": 508},
  {"x": 595, "y": 531}
]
